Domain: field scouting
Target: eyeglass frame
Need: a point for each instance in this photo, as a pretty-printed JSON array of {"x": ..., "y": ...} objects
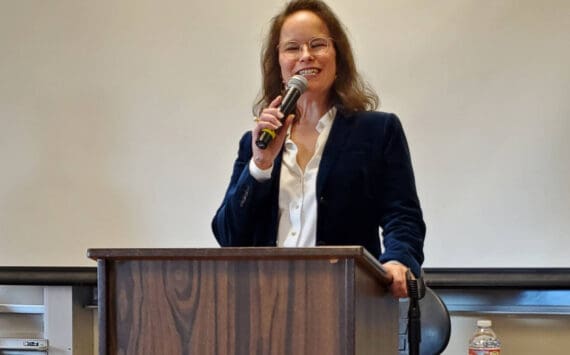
[{"x": 298, "y": 53}]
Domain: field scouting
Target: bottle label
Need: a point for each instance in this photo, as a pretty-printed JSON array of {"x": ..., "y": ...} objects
[{"x": 493, "y": 351}]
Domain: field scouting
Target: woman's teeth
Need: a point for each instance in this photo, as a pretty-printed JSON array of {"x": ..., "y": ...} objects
[{"x": 311, "y": 71}]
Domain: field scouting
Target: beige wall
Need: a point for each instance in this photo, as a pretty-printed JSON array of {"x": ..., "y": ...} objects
[{"x": 119, "y": 121}]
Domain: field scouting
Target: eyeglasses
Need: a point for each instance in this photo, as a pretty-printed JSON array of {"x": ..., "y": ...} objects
[{"x": 316, "y": 46}]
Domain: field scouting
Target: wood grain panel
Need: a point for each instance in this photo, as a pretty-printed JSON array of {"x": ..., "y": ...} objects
[{"x": 221, "y": 307}]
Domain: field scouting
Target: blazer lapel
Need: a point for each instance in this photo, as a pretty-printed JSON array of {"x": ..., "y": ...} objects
[{"x": 335, "y": 142}]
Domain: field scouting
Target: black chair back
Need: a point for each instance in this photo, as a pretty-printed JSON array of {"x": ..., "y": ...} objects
[{"x": 435, "y": 324}]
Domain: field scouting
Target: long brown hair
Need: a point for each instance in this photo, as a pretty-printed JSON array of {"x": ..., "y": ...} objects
[{"x": 349, "y": 92}]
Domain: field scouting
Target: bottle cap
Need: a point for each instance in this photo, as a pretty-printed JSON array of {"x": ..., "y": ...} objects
[{"x": 484, "y": 323}]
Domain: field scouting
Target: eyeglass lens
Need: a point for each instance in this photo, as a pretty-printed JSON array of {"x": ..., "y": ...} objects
[{"x": 317, "y": 45}]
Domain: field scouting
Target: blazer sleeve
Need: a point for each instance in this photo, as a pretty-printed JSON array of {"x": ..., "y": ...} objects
[
  {"x": 234, "y": 221},
  {"x": 401, "y": 219}
]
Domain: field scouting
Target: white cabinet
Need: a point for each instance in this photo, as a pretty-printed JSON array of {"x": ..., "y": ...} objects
[{"x": 42, "y": 319}]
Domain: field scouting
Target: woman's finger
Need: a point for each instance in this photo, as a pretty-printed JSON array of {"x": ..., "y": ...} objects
[
  {"x": 272, "y": 125},
  {"x": 276, "y": 101}
]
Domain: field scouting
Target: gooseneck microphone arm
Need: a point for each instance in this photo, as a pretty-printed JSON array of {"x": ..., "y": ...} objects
[
  {"x": 295, "y": 88},
  {"x": 416, "y": 291}
]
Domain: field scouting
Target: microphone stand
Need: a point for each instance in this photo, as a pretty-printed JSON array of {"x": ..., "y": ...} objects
[{"x": 416, "y": 291}]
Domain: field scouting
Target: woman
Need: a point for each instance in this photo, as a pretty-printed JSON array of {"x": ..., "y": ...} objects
[{"x": 337, "y": 171}]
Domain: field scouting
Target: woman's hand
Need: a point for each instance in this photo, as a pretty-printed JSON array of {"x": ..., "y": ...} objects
[
  {"x": 399, "y": 286},
  {"x": 270, "y": 118}
]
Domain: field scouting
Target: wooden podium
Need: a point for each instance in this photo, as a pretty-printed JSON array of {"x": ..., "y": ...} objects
[{"x": 244, "y": 301}]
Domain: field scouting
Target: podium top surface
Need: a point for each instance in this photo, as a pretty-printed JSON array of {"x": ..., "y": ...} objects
[{"x": 358, "y": 253}]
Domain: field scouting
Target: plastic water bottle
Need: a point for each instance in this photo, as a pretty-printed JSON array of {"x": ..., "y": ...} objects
[{"x": 484, "y": 341}]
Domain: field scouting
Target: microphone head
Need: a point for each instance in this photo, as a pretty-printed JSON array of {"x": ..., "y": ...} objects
[{"x": 299, "y": 82}]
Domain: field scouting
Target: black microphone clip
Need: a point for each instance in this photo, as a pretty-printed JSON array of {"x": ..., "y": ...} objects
[{"x": 416, "y": 291}]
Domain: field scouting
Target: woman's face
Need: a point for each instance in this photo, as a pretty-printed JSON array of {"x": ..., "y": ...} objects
[{"x": 305, "y": 48}]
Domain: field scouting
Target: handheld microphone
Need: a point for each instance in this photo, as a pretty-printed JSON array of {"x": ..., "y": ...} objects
[{"x": 295, "y": 88}]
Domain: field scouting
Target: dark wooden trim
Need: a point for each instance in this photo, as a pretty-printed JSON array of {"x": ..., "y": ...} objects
[
  {"x": 492, "y": 278},
  {"x": 102, "y": 301},
  {"x": 514, "y": 278},
  {"x": 229, "y": 253},
  {"x": 48, "y": 276}
]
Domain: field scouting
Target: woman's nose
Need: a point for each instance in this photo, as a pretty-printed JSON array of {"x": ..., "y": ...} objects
[{"x": 305, "y": 52}]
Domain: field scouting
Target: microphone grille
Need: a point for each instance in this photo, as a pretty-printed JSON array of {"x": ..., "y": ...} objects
[{"x": 299, "y": 82}]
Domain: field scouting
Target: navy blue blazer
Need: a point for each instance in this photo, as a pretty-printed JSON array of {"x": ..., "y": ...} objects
[{"x": 365, "y": 182}]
